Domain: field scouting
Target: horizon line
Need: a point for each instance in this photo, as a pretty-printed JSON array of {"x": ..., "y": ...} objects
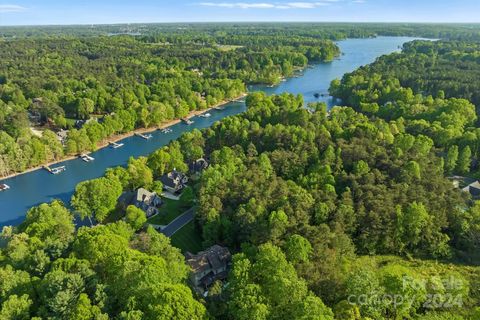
[{"x": 239, "y": 21}]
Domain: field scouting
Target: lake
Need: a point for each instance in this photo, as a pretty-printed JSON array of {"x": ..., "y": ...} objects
[{"x": 39, "y": 186}]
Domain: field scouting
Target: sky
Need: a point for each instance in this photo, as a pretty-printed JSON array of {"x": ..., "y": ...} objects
[{"x": 45, "y": 12}]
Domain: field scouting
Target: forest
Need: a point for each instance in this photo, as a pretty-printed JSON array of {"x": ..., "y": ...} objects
[
  {"x": 429, "y": 67},
  {"x": 119, "y": 78},
  {"x": 346, "y": 213},
  {"x": 96, "y": 87},
  {"x": 335, "y": 192},
  {"x": 332, "y": 30},
  {"x": 321, "y": 209},
  {"x": 384, "y": 92}
]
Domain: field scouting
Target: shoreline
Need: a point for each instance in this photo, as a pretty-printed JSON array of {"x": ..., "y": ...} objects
[{"x": 118, "y": 137}]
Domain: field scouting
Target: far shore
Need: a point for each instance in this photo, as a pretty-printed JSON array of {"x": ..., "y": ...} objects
[{"x": 115, "y": 138}]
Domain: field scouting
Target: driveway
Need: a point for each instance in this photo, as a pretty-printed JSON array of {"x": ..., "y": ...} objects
[
  {"x": 179, "y": 222},
  {"x": 170, "y": 195}
]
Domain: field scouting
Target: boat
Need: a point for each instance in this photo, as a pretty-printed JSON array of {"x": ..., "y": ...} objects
[
  {"x": 205, "y": 115},
  {"x": 56, "y": 170},
  {"x": 187, "y": 121},
  {"x": 317, "y": 95},
  {"x": 167, "y": 130},
  {"x": 59, "y": 170},
  {"x": 218, "y": 108},
  {"x": 144, "y": 136},
  {"x": 86, "y": 158},
  {"x": 116, "y": 145},
  {"x": 4, "y": 187}
]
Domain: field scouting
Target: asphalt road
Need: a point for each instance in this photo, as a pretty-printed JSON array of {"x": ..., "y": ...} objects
[{"x": 179, "y": 222}]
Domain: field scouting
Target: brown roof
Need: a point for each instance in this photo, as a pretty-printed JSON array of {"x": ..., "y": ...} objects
[{"x": 213, "y": 258}]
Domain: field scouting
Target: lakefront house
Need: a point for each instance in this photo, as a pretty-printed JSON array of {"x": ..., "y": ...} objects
[
  {"x": 174, "y": 181},
  {"x": 147, "y": 201}
]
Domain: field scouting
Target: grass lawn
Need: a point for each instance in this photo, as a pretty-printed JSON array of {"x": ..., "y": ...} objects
[
  {"x": 187, "y": 239},
  {"x": 228, "y": 47},
  {"x": 168, "y": 212}
]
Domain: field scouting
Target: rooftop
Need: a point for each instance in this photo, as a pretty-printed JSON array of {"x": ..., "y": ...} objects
[
  {"x": 144, "y": 194},
  {"x": 213, "y": 258},
  {"x": 173, "y": 178}
]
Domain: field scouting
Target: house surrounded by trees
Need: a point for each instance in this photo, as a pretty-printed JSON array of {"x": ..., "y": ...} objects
[
  {"x": 198, "y": 165},
  {"x": 208, "y": 266},
  {"x": 174, "y": 181},
  {"x": 147, "y": 201}
]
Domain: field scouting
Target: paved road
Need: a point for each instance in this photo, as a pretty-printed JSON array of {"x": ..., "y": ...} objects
[{"x": 179, "y": 222}]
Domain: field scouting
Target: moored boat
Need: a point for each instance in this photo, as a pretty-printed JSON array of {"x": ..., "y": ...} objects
[
  {"x": 56, "y": 170},
  {"x": 187, "y": 121},
  {"x": 86, "y": 158}
]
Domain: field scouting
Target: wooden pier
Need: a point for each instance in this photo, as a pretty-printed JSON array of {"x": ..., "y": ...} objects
[
  {"x": 144, "y": 136},
  {"x": 55, "y": 170},
  {"x": 86, "y": 158},
  {"x": 187, "y": 121},
  {"x": 116, "y": 145}
]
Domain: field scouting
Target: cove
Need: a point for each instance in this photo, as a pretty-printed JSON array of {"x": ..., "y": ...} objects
[{"x": 39, "y": 186}]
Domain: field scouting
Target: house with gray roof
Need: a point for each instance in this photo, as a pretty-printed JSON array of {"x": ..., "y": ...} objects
[
  {"x": 174, "y": 181},
  {"x": 208, "y": 266},
  {"x": 197, "y": 166},
  {"x": 62, "y": 136}
]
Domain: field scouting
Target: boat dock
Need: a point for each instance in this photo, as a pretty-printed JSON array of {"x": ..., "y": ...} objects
[
  {"x": 144, "y": 136},
  {"x": 56, "y": 170},
  {"x": 86, "y": 158},
  {"x": 116, "y": 145},
  {"x": 187, "y": 121}
]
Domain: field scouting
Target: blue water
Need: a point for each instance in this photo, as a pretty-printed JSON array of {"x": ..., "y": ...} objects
[{"x": 39, "y": 186}]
